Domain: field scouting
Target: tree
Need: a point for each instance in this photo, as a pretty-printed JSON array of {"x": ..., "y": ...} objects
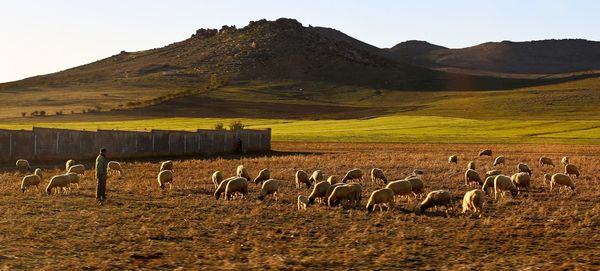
[{"x": 236, "y": 125}]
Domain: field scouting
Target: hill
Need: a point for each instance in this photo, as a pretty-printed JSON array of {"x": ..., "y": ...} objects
[{"x": 533, "y": 57}]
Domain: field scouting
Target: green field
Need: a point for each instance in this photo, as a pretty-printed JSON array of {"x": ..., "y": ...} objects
[{"x": 396, "y": 128}]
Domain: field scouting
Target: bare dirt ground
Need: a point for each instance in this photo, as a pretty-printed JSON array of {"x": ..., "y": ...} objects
[{"x": 141, "y": 227}]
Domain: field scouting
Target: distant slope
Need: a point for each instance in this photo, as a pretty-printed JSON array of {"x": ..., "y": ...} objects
[{"x": 539, "y": 57}]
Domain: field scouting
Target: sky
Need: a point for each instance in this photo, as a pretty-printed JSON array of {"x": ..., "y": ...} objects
[{"x": 40, "y": 37}]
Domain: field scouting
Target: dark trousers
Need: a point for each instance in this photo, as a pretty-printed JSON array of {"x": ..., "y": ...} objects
[{"x": 101, "y": 188}]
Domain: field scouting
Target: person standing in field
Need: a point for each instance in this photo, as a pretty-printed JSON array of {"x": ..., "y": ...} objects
[{"x": 101, "y": 175}]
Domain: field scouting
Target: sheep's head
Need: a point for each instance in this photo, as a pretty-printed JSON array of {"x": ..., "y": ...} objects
[
  {"x": 311, "y": 200},
  {"x": 217, "y": 195},
  {"x": 370, "y": 208},
  {"x": 514, "y": 192},
  {"x": 49, "y": 190}
]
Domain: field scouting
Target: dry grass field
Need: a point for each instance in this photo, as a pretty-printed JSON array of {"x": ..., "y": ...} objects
[{"x": 141, "y": 227}]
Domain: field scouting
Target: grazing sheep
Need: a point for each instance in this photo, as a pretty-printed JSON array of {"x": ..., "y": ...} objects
[
  {"x": 400, "y": 188},
  {"x": 499, "y": 160},
  {"x": 381, "y": 197},
  {"x": 472, "y": 176},
  {"x": 29, "y": 180},
  {"x": 74, "y": 177},
  {"x": 492, "y": 173},
  {"x": 302, "y": 178},
  {"x": 79, "y": 169},
  {"x": 223, "y": 185},
  {"x": 333, "y": 179},
  {"x": 316, "y": 176},
  {"x": 471, "y": 165},
  {"x": 342, "y": 192},
  {"x": 473, "y": 201},
  {"x": 357, "y": 192},
  {"x": 23, "y": 165},
  {"x": 437, "y": 198},
  {"x": 503, "y": 183},
  {"x": 488, "y": 183},
  {"x": 217, "y": 178},
  {"x": 571, "y": 169},
  {"x": 263, "y": 175},
  {"x": 236, "y": 186},
  {"x": 417, "y": 186},
  {"x": 330, "y": 189},
  {"x": 545, "y": 161},
  {"x": 485, "y": 152},
  {"x": 68, "y": 164},
  {"x": 522, "y": 167},
  {"x": 166, "y": 165},
  {"x": 377, "y": 174},
  {"x": 114, "y": 166},
  {"x": 547, "y": 178},
  {"x": 353, "y": 174},
  {"x": 241, "y": 171},
  {"x": 164, "y": 177},
  {"x": 319, "y": 191},
  {"x": 521, "y": 180},
  {"x": 565, "y": 160},
  {"x": 453, "y": 159},
  {"x": 561, "y": 179},
  {"x": 58, "y": 182},
  {"x": 302, "y": 202},
  {"x": 269, "y": 187}
]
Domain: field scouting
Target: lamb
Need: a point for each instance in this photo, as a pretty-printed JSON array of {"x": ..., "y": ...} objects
[
  {"x": 473, "y": 201},
  {"x": 545, "y": 161},
  {"x": 504, "y": 183},
  {"x": 319, "y": 191},
  {"x": 488, "y": 183},
  {"x": 302, "y": 178},
  {"x": 522, "y": 167},
  {"x": 68, "y": 164},
  {"x": 239, "y": 186},
  {"x": 342, "y": 192},
  {"x": 565, "y": 160},
  {"x": 381, "y": 197},
  {"x": 571, "y": 169},
  {"x": 23, "y": 165},
  {"x": 472, "y": 176},
  {"x": 217, "y": 178},
  {"x": 223, "y": 185},
  {"x": 471, "y": 165},
  {"x": 79, "y": 169},
  {"x": 485, "y": 152},
  {"x": 114, "y": 166},
  {"x": 561, "y": 179},
  {"x": 30, "y": 180},
  {"x": 166, "y": 165},
  {"x": 302, "y": 202},
  {"x": 263, "y": 175},
  {"x": 400, "y": 188},
  {"x": 492, "y": 173},
  {"x": 333, "y": 179},
  {"x": 164, "y": 177},
  {"x": 499, "y": 160},
  {"x": 58, "y": 182},
  {"x": 417, "y": 186},
  {"x": 353, "y": 174},
  {"x": 437, "y": 198},
  {"x": 241, "y": 171},
  {"x": 269, "y": 187},
  {"x": 453, "y": 159},
  {"x": 521, "y": 180},
  {"x": 74, "y": 177},
  {"x": 377, "y": 174},
  {"x": 316, "y": 176}
]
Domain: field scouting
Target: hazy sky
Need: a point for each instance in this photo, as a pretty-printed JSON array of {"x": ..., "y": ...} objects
[{"x": 38, "y": 37}]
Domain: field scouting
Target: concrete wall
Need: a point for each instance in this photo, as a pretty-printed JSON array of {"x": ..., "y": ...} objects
[{"x": 59, "y": 144}]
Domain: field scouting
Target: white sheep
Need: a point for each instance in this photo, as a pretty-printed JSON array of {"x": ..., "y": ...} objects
[
  {"x": 74, "y": 177},
  {"x": 330, "y": 190},
  {"x": 342, "y": 193},
  {"x": 29, "y": 180},
  {"x": 316, "y": 176},
  {"x": 565, "y": 160},
  {"x": 357, "y": 192},
  {"x": 485, "y": 152},
  {"x": 545, "y": 161},
  {"x": 269, "y": 187},
  {"x": 236, "y": 186},
  {"x": 499, "y": 160},
  {"x": 521, "y": 180},
  {"x": 400, "y": 188},
  {"x": 522, "y": 167},
  {"x": 79, "y": 169},
  {"x": 301, "y": 177},
  {"x": 302, "y": 202},
  {"x": 58, "y": 182},
  {"x": 377, "y": 174},
  {"x": 492, "y": 173},
  {"x": 417, "y": 185},
  {"x": 547, "y": 178},
  {"x": 114, "y": 166},
  {"x": 241, "y": 171},
  {"x": 471, "y": 165},
  {"x": 223, "y": 185},
  {"x": 379, "y": 198},
  {"x": 503, "y": 183},
  {"x": 166, "y": 165},
  {"x": 571, "y": 169},
  {"x": 217, "y": 178},
  {"x": 353, "y": 174},
  {"x": 488, "y": 183},
  {"x": 472, "y": 176},
  {"x": 453, "y": 159},
  {"x": 23, "y": 165},
  {"x": 437, "y": 198},
  {"x": 263, "y": 175},
  {"x": 164, "y": 177},
  {"x": 68, "y": 164},
  {"x": 319, "y": 191},
  {"x": 333, "y": 179},
  {"x": 473, "y": 201},
  {"x": 561, "y": 179}
]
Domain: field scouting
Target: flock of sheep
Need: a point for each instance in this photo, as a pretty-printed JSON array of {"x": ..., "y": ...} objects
[{"x": 348, "y": 189}]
